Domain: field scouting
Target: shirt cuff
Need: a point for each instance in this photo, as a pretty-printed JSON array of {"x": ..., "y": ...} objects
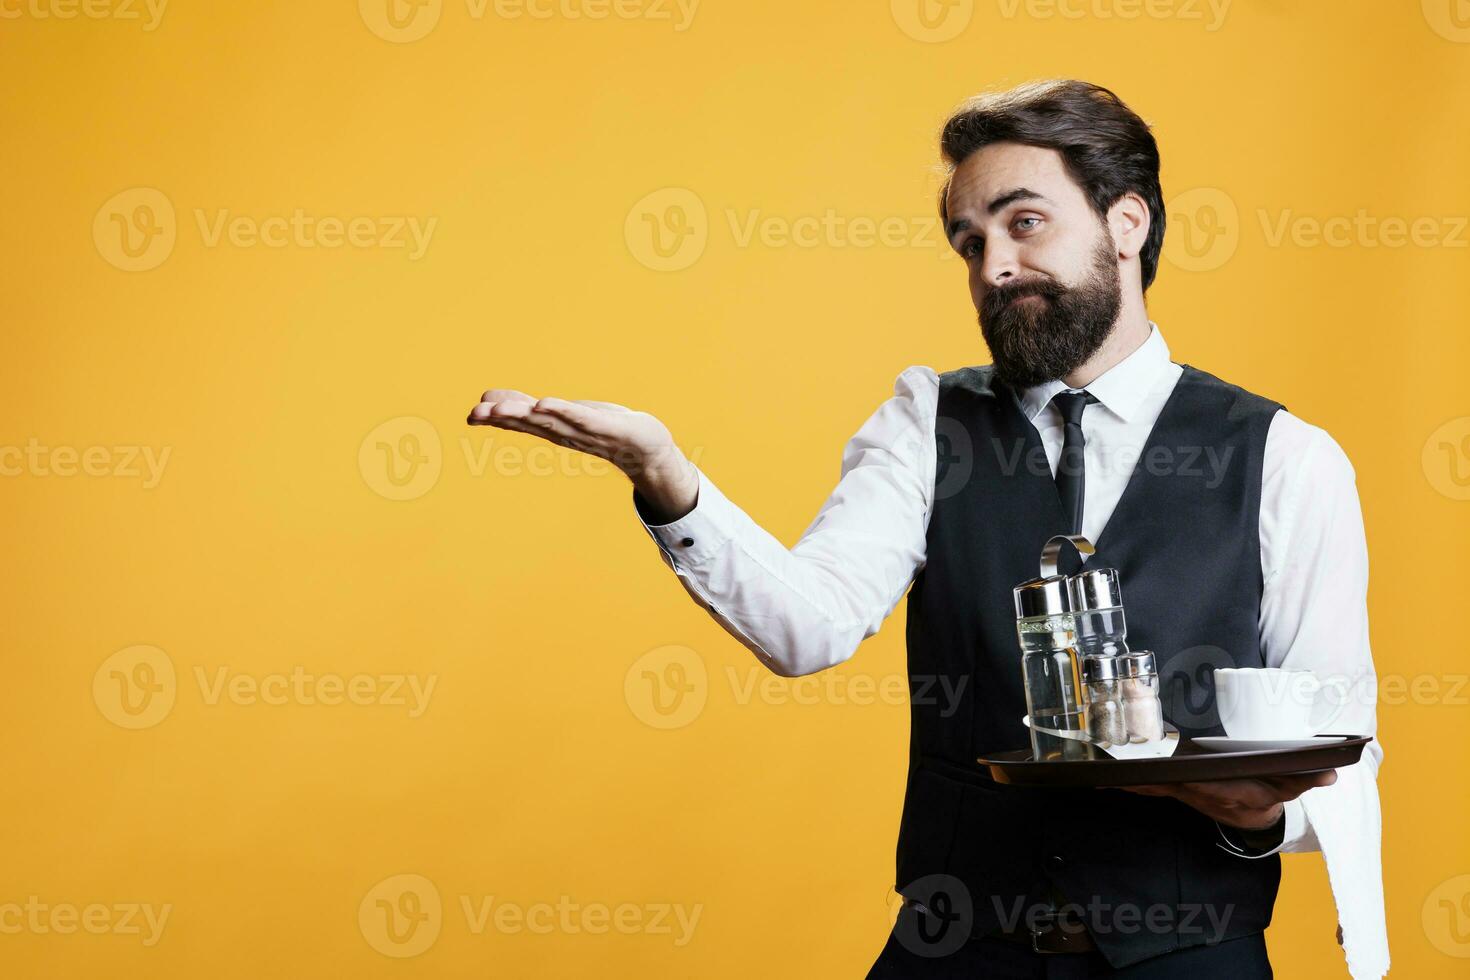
[
  {"x": 698, "y": 534},
  {"x": 1290, "y": 827}
]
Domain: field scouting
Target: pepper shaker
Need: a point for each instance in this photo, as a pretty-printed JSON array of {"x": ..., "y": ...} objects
[{"x": 1104, "y": 708}]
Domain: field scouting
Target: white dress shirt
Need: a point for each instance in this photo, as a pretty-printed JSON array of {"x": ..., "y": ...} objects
[{"x": 806, "y": 608}]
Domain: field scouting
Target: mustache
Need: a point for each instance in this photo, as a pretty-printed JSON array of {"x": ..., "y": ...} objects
[{"x": 1002, "y": 296}]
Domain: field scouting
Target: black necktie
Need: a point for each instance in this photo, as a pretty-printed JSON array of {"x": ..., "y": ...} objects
[{"x": 1071, "y": 481}]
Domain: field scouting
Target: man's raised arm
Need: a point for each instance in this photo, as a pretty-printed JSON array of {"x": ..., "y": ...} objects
[{"x": 802, "y": 609}]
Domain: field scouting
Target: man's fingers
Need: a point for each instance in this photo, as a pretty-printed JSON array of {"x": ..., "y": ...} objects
[
  {"x": 1148, "y": 789},
  {"x": 579, "y": 416},
  {"x": 544, "y": 426},
  {"x": 1250, "y": 793},
  {"x": 481, "y": 413},
  {"x": 1264, "y": 792},
  {"x": 485, "y": 412},
  {"x": 505, "y": 395},
  {"x": 553, "y": 419},
  {"x": 551, "y": 428},
  {"x": 496, "y": 413},
  {"x": 1296, "y": 785}
]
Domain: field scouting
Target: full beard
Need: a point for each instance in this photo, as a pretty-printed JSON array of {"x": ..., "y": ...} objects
[{"x": 1037, "y": 340}]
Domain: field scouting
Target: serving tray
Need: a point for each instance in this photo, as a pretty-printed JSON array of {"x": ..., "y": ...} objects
[{"x": 1189, "y": 764}]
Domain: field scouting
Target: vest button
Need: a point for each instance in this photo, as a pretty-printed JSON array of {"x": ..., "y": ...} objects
[
  {"x": 687, "y": 542},
  {"x": 1054, "y": 862}
]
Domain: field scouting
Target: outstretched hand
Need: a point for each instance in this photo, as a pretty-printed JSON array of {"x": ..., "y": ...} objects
[{"x": 635, "y": 442}]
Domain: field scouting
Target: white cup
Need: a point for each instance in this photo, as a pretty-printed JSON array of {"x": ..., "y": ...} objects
[{"x": 1272, "y": 702}]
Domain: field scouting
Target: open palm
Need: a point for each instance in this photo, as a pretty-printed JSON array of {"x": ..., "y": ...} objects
[{"x": 635, "y": 442}]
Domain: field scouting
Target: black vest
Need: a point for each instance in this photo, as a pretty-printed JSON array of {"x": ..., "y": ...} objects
[{"x": 1185, "y": 539}]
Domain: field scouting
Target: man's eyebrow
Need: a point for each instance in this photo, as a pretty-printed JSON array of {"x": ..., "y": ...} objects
[{"x": 1009, "y": 197}]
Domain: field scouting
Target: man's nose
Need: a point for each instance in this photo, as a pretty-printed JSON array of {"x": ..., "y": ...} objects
[{"x": 998, "y": 266}]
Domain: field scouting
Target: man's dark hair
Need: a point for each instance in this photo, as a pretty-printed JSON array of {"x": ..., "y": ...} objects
[{"x": 1106, "y": 148}]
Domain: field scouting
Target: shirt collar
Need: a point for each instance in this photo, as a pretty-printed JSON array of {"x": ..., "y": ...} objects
[{"x": 1120, "y": 389}]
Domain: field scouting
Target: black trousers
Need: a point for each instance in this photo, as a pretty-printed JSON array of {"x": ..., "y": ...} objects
[{"x": 998, "y": 959}]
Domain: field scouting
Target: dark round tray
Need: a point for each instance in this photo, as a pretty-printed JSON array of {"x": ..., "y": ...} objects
[{"x": 1188, "y": 764}]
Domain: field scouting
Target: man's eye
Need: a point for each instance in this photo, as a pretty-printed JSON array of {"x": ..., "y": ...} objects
[{"x": 1037, "y": 220}]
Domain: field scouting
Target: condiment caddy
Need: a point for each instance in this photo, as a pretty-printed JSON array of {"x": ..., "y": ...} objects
[{"x": 1094, "y": 711}]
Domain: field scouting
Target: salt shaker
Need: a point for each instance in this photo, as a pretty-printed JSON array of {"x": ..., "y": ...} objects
[{"x": 1138, "y": 680}]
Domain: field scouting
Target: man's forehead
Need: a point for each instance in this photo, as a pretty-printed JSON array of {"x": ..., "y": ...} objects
[{"x": 1001, "y": 168}]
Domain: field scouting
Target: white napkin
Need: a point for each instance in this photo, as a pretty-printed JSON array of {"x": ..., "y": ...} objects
[
  {"x": 1349, "y": 827},
  {"x": 1159, "y": 748}
]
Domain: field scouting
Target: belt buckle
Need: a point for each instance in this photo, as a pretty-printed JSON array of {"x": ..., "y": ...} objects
[{"x": 1050, "y": 916}]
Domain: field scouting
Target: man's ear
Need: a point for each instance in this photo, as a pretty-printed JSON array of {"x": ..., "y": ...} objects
[{"x": 1129, "y": 220}]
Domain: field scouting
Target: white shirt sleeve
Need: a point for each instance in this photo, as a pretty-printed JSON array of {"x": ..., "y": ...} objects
[
  {"x": 1314, "y": 607},
  {"x": 804, "y": 609}
]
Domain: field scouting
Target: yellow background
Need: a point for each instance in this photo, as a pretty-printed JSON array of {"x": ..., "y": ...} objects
[{"x": 271, "y": 542}]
